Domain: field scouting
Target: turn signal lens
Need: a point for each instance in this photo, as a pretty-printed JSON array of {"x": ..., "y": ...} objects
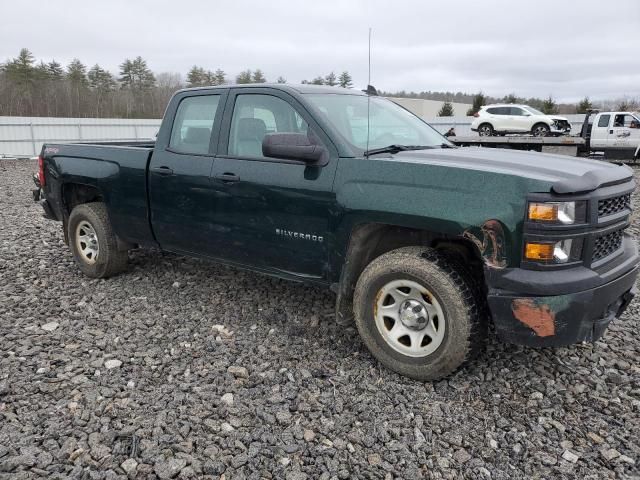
[
  {"x": 539, "y": 251},
  {"x": 558, "y": 252},
  {"x": 559, "y": 212},
  {"x": 545, "y": 212}
]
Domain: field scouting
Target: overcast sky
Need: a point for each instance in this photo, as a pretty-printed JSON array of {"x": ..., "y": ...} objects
[{"x": 533, "y": 48}]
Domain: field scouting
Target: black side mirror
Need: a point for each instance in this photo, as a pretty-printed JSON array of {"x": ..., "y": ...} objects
[{"x": 293, "y": 146}]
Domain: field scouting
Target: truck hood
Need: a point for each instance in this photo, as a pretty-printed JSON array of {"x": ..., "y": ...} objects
[{"x": 564, "y": 174}]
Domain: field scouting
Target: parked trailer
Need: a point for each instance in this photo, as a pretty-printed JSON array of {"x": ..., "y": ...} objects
[
  {"x": 609, "y": 136},
  {"x": 571, "y": 146}
]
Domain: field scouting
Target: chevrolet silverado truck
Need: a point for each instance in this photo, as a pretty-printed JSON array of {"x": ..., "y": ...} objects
[{"x": 425, "y": 245}]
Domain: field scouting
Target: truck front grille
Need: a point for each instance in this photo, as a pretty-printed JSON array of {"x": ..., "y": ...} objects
[
  {"x": 607, "y": 244},
  {"x": 609, "y": 206}
]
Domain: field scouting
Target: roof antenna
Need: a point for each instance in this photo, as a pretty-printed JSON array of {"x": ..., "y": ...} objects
[{"x": 369, "y": 93}]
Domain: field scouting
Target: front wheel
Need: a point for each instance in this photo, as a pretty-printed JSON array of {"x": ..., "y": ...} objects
[
  {"x": 540, "y": 130},
  {"x": 418, "y": 313},
  {"x": 93, "y": 243}
]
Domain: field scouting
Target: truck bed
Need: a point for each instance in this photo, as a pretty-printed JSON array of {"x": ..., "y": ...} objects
[{"x": 118, "y": 169}]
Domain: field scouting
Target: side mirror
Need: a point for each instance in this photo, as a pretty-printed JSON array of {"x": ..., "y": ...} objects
[{"x": 293, "y": 146}]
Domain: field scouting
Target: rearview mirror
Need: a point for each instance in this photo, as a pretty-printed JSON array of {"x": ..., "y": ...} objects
[{"x": 293, "y": 146}]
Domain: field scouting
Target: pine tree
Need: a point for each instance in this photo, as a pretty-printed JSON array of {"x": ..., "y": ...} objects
[
  {"x": 41, "y": 72},
  {"x": 584, "y": 106},
  {"x": 478, "y": 101},
  {"x": 345, "y": 80},
  {"x": 20, "y": 70},
  {"x": 511, "y": 98},
  {"x": 258, "y": 76},
  {"x": 195, "y": 77},
  {"x": 331, "y": 80},
  {"x": 281, "y": 80},
  {"x": 317, "y": 81},
  {"x": 100, "y": 80},
  {"x": 77, "y": 73},
  {"x": 220, "y": 77},
  {"x": 549, "y": 106},
  {"x": 244, "y": 77},
  {"x": 136, "y": 75},
  {"x": 446, "y": 110},
  {"x": 56, "y": 72}
]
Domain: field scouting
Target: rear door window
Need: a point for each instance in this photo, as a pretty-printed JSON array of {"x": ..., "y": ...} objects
[
  {"x": 193, "y": 124},
  {"x": 604, "y": 120}
]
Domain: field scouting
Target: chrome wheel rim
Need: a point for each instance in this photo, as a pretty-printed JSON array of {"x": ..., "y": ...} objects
[
  {"x": 409, "y": 318},
  {"x": 87, "y": 242},
  {"x": 485, "y": 131}
]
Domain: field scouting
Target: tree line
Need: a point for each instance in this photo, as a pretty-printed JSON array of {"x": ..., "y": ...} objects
[
  {"x": 34, "y": 89},
  {"x": 547, "y": 105},
  {"x": 31, "y": 88}
]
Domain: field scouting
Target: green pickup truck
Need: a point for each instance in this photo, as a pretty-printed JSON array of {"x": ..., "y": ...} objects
[{"x": 425, "y": 245}]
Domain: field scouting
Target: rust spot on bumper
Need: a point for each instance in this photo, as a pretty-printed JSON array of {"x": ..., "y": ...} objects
[
  {"x": 489, "y": 238},
  {"x": 537, "y": 316}
]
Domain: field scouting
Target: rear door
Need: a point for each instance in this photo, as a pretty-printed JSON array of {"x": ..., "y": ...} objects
[
  {"x": 496, "y": 118},
  {"x": 180, "y": 193},
  {"x": 273, "y": 213},
  {"x": 600, "y": 131}
]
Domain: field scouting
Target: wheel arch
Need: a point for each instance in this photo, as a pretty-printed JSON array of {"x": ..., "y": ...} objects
[{"x": 370, "y": 240}]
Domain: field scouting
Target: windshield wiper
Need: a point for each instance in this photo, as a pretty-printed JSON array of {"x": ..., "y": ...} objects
[{"x": 396, "y": 148}]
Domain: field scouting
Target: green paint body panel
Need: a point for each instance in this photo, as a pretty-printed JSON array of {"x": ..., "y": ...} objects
[{"x": 296, "y": 220}]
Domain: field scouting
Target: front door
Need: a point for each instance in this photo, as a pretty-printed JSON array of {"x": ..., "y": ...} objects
[
  {"x": 273, "y": 213},
  {"x": 180, "y": 191},
  {"x": 520, "y": 119}
]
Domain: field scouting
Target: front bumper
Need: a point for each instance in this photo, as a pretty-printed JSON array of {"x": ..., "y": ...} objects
[{"x": 560, "y": 320}]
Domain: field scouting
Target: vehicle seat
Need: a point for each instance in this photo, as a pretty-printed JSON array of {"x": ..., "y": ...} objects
[
  {"x": 249, "y": 136},
  {"x": 197, "y": 138}
]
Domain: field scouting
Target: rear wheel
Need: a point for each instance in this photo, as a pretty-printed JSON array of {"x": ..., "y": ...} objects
[
  {"x": 485, "y": 130},
  {"x": 419, "y": 313},
  {"x": 540, "y": 130},
  {"x": 93, "y": 243}
]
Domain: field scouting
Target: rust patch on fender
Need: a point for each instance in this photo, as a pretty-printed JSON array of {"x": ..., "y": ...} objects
[
  {"x": 537, "y": 316},
  {"x": 489, "y": 238}
]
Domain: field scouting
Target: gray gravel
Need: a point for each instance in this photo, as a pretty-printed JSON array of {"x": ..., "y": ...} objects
[{"x": 183, "y": 369}]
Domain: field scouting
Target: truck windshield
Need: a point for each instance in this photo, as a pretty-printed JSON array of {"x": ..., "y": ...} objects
[{"x": 389, "y": 123}]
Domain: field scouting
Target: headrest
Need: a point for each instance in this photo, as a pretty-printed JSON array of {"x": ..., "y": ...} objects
[
  {"x": 251, "y": 129},
  {"x": 197, "y": 135}
]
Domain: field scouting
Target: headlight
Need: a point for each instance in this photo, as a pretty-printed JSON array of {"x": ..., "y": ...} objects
[
  {"x": 554, "y": 252},
  {"x": 552, "y": 212}
]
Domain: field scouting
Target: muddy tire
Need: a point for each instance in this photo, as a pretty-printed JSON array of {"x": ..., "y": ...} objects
[
  {"x": 93, "y": 242},
  {"x": 420, "y": 313}
]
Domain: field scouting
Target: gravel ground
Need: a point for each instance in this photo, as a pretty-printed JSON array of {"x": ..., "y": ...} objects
[{"x": 181, "y": 369}]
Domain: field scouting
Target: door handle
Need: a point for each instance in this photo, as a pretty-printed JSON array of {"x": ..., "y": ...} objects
[
  {"x": 610, "y": 131},
  {"x": 162, "y": 170},
  {"x": 227, "y": 178}
]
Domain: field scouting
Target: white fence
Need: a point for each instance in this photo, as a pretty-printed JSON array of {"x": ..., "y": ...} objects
[{"x": 24, "y": 136}]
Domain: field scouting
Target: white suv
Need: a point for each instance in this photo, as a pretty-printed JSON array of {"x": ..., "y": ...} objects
[{"x": 509, "y": 118}]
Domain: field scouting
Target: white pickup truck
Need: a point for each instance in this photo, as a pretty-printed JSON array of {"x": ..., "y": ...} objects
[{"x": 617, "y": 134}]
